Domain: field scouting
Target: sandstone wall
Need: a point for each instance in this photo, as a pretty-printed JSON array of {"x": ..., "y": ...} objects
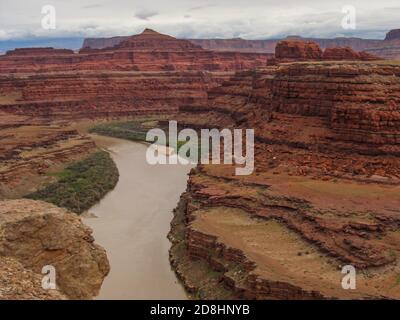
[
  {"x": 326, "y": 167},
  {"x": 104, "y": 94}
]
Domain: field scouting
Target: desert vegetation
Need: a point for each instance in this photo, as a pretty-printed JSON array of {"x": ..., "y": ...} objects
[{"x": 82, "y": 184}]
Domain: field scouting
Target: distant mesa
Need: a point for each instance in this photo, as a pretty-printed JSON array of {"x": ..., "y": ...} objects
[
  {"x": 393, "y": 35},
  {"x": 153, "y": 40},
  {"x": 147, "y": 51},
  {"x": 38, "y": 51},
  {"x": 295, "y": 50},
  {"x": 347, "y": 53},
  {"x": 149, "y": 39},
  {"x": 388, "y": 48}
]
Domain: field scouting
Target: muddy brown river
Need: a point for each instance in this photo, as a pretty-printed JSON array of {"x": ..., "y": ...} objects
[{"x": 132, "y": 223}]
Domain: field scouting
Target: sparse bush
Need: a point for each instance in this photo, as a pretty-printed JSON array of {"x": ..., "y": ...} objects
[{"x": 82, "y": 184}]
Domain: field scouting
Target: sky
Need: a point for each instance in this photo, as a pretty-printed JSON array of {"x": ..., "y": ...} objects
[{"x": 251, "y": 19}]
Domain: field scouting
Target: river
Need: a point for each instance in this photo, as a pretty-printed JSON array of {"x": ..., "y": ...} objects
[{"x": 132, "y": 223}]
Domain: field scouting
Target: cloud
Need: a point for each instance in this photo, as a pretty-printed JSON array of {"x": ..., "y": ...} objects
[
  {"x": 92, "y": 6},
  {"x": 200, "y": 7},
  {"x": 145, "y": 14},
  {"x": 254, "y": 19}
]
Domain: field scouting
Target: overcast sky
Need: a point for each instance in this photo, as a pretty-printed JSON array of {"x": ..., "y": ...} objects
[{"x": 251, "y": 19}]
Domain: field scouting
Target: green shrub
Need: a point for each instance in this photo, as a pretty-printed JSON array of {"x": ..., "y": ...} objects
[{"x": 82, "y": 184}]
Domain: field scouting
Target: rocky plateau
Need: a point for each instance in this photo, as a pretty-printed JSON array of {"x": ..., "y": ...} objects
[
  {"x": 388, "y": 48},
  {"x": 325, "y": 192}
]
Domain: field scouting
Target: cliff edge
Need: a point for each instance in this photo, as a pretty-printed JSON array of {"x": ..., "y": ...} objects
[{"x": 34, "y": 234}]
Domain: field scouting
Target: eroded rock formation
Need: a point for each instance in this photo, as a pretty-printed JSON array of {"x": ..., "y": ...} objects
[
  {"x": 347, "y": 53},
  {"x": 159, "y": 74},
  {"x": 393, "y": 35},
  {"x": 327, "y": 172},
  {"x": 148, "y": 51},
  {"x": 388, "y": 48},
  {"x": 31, "y": 148},
  {"x": 298, "y": 50},
  {"x": 35, "y": 234},
  {"x": 294, "y": 50},
  {"x": 103, "y": 94},
  {"x": 325, "y": 191}
]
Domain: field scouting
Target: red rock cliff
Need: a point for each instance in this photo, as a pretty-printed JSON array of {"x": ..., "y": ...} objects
[
  {"x": 148, "y": 51},
  {"x": 393, "y": 35},
  {"x": 384, "y": 48},
  {"x": 293, "y": 50}
]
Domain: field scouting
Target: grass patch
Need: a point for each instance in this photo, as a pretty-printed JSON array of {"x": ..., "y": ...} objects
[
  {"x": 82, "y": 184},
  {"x": 132, "y": 130}
]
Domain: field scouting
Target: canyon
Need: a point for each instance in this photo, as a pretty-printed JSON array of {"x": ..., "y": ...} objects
[
  {"x": 325, "y": 191},
  {"x": 42, "y": 92},
  {"x": 326, "y": 185},
  {"x": 148, "y": 51},
  {"x": 388, "y": 48}
]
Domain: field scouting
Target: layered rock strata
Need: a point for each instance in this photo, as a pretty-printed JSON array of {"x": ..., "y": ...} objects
[
  {"x": 292, "y": 51},
  {"x": 31, "y": 148},
  {"x": 148, "y": 51},
  {"x": 105, "y": 94},
  {"x": 389, "y": 48},
  {"x": 324, "y": 194}
]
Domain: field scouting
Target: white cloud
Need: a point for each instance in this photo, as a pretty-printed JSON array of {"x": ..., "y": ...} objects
[
  {"x": 252, "y": 19},
  {"x": 145, "y": 14}
]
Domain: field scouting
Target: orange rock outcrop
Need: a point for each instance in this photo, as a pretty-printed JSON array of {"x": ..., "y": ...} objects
[
  {"x": 294, "y": 50},
  {"x": 298, "y": 50}
]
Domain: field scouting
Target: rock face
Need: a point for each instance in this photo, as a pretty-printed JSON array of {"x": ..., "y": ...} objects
[
  {"x": 347, "y": 54},
  {"x": 103, "y": 94},
  {"x": 388, "y": 48},
  {"x": 37, "y": 234},
  {"x": 152, "y": 40},
  {"x": 389, "y": 52},
  {"x": 41, "y": 86},
  {"x": 298, "y": 50},
  {"x": 20, "y": 283},
  {"x": 39, "y": 52},
  {"x": 327, "y": 143},
  {"x": 269, "y": 46},
  {"x": 393, "y": 35},
  {"x": 149, "y": 73},
  {"x": 31, "y": 148},
  {"x": 101, "y": 43},
  {"x": 293, "y": 50},
  {"x": 148, "y": 51}
]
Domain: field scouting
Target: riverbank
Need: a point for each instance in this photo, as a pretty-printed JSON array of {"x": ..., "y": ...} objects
[{"x": 82, "y": 184}]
